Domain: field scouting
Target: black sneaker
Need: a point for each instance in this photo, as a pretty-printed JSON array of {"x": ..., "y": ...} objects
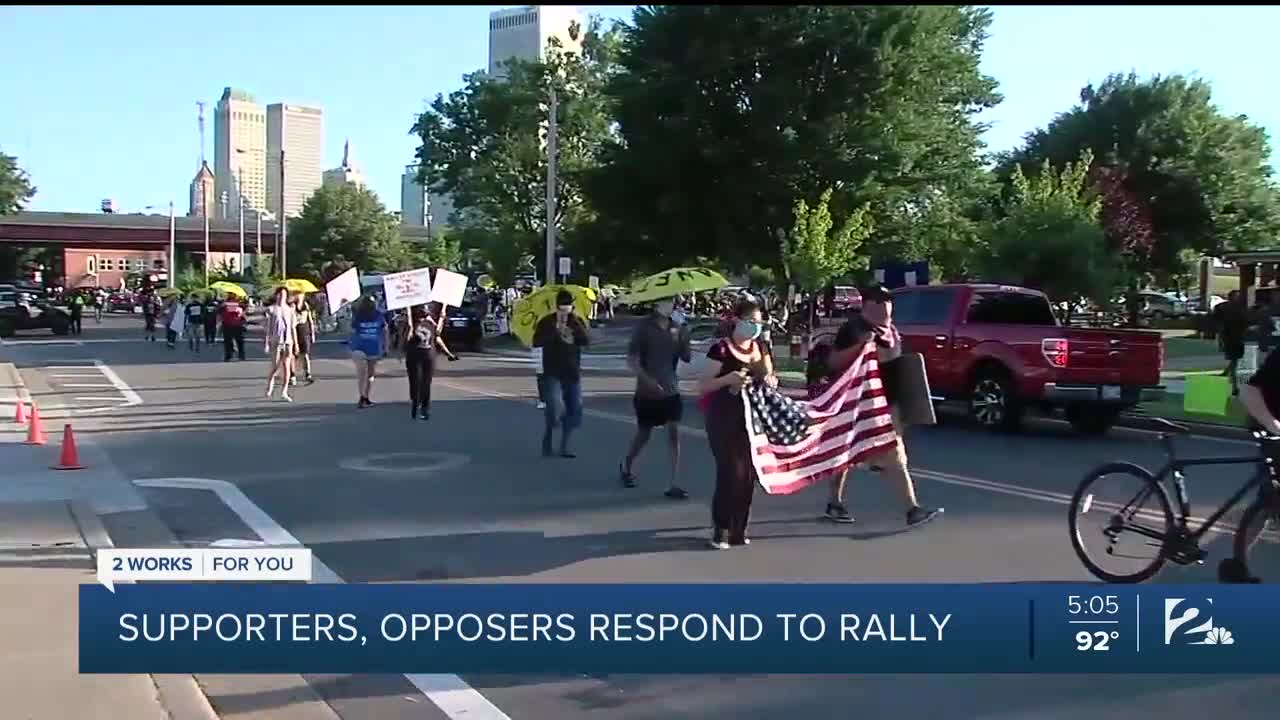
[
  {"x": 364, "y": 403},
  {"x": 311, "y": 381},
  {"x": 838, "y": 513},
  {"x": 920, "y": 515},
  {"x": 425, "y": 415},
  {"x": 676, "y": 493},
  {"x": 628, "y": 480},
  {"x": 413, "y": 412}
]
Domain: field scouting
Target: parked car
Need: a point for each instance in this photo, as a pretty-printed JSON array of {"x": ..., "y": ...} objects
[
  {"x": 1001, "y": 350},
  {"x": 29, "y": 309},
  {"x": 463, "y": 328},
  {"x": 846, "y": 298},
  {"x": 1194, "y": 306},
  {"x": 1157, "y": 306}
]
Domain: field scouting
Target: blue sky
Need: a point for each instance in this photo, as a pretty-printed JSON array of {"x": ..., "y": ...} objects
[{"x": 102, "y": 101}]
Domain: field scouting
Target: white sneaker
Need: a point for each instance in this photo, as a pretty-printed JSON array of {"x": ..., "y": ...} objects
[
  {"x": 284, "y": 395},
  {"x": 542, "y": 405},
  {"x": 271, "y": 388},
  {"x": 294, "y": 381}
]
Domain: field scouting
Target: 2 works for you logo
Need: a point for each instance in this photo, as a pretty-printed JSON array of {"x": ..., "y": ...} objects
[{"x": 1184, "y": 620}]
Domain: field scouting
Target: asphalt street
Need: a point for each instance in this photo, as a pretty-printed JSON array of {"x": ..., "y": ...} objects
[{"x": 466, "y": 497}]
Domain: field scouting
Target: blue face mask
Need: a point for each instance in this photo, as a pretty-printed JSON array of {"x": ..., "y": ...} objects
[{"x": 747, "y": 330}]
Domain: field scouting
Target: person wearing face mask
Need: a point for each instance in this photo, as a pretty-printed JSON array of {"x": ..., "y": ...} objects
[
  {"x": 874, "y": 324},
  {"x": 561, "y": 336},
  {"x": 735, "y": 361},
  {"x": 658, "y": 344}
]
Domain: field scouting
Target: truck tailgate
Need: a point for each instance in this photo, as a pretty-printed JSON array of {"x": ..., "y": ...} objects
[{"x": 1121, "y": 357}]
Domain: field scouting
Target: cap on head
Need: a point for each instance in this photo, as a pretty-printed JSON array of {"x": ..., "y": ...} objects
[
  {"x": 876, "y": 293},
  {"x": 564, "y": 297}
]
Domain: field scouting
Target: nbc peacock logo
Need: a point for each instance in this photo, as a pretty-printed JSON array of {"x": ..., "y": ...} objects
[{"x": 1183, "y": 621}]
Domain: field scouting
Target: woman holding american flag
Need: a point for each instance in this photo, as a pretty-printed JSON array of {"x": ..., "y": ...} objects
[{"x": 736, "y": 360}]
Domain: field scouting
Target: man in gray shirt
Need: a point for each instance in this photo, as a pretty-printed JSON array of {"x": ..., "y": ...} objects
[{"x": 657, "y": 345}]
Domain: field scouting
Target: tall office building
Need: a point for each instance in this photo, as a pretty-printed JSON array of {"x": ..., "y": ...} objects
[
  {"x": 202, "y": 193},
  {"x": 298, "y": 131},
  {"x": 346, "y": 173},
  {"x": 239, "y": 152},
  {"x": 413, "y": 198},
  {"x": 523, "y": 33}
]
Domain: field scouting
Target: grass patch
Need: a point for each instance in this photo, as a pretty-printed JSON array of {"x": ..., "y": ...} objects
[
  {"x": 1182, "y": 347},
  {"x": 1170, "y": 408}
]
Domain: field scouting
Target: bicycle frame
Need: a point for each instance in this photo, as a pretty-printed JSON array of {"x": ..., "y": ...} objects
[{"x": 1174, "y": 468}]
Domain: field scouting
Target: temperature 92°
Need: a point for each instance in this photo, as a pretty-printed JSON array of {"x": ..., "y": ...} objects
[{"x": 1095, "y": 640}]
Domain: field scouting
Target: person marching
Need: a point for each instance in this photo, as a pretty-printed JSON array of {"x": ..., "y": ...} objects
[
  {"x": 735, "y": 360},
  {"x": 306, "y": 334},
  {"x": 233, "y": 320},
  {"x": 561, "y": 335},
  {"x": 211, "y": 311},
  {"x": 422, "y": 340},
  {"x": 874, "y": 323},
  {"x": 149, "y": 314},
  {"x": 657, "y": 346},
  {"x": 77, "y": 312},
  {"x": 368, "y": 343},
  {"x": 281, "y": 340},
  {"x": 194, "y": 326}
]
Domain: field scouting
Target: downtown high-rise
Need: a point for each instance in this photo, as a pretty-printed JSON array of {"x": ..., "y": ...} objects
[
  {"x": 239, "y": 153},
  {"x": 295, "y": 135},
  {"x": 522, "y": 33}
]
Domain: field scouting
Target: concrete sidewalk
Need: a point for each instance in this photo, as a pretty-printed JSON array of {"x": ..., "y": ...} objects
[{"x": 45, "y": 554}]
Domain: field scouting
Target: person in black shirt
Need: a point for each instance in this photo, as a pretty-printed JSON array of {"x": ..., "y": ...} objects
[
  {"x": 874, "y": 323},
  {"x": 421, "y": 341},
  {"x": 561, "y": 335},
  {"x": 1233, "y": 321},
  {"x": 1261, "y": 399}
]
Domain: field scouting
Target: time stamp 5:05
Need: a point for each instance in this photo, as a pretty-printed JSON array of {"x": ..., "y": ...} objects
[{"x": 1096, "y": 619}]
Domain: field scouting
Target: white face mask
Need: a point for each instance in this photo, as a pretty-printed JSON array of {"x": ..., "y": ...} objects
[
  {"x": 747, "y": 330},
  {"x": 664, "y": 308}
]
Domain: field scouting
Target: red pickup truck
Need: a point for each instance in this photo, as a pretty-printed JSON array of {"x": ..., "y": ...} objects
[{"x": 1001, "y": 350}]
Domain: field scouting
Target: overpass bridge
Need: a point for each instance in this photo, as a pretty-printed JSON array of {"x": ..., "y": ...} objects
[{"x": 104, "y": 231}]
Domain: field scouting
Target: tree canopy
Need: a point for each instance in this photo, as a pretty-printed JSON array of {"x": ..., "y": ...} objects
[
  {"x": 346, "y": 221},
  {"x": 1180, "y": 174},
  {"x": 728, "y": 113}
]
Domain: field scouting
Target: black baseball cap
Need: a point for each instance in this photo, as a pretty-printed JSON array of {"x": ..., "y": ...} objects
[{"x": 876, "y": 293}]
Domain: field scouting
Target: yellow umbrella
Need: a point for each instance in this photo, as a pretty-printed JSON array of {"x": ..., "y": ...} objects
[
  {"x": 485, "y": 282},
  {"x": 228, "y": 288},
  {"x": 527, "y": 312},
  {"x": 300, "y": 285},
  {"x": 673, "y": 282},
  {"x": 168, "y": 292}
]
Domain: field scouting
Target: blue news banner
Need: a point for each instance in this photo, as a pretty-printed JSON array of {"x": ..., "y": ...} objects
[{"x": 700, "y": 628}]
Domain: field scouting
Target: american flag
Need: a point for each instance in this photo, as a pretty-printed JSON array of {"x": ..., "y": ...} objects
[{"x": 849, "y": 421}]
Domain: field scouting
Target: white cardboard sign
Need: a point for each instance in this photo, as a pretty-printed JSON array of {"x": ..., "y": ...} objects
[
  {"x": 408, "y": 288},
  {"x": 450, "y": 288},
  {"x": 343, "y": 290}
]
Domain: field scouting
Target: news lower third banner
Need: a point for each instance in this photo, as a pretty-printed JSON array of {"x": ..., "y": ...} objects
[{"x": 701, "y": 628}]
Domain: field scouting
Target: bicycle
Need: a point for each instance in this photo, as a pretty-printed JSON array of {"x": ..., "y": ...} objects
[{"x": 1177, "y": 541}]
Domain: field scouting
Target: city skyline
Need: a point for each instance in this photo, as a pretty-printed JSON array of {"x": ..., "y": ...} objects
[
  {"x": 373, "y": 91},
  {"x": 295, "y": 135}
]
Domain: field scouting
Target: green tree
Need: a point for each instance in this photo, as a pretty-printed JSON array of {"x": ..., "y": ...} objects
[
  {"x": 443, "y": 250},
  {"x": 813, "y": 255},
  {"x": 349, "y": 221},
  {"x": 728, "y": 113},
  {"x": 15, "y": 185},
  {"x": 484, "y": 144},
  {"x": 1199, "y": 175},
  {"x": 1050, "y": 238},
  {"x": 15, "y": 191}
]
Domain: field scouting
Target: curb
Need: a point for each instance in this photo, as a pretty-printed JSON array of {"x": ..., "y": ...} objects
[{"x": 180, "y": 696}]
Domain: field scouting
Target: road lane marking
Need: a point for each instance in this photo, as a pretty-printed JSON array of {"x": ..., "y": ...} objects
[
  {"x": 450, "y": 693},
  {"x": 86, "y": 385},
  {"x": 131, "y": 398},
  {"x": 973, "y": 483},
  {"x": 428, "y": 462},
  {"x": 76, "y": 375}
]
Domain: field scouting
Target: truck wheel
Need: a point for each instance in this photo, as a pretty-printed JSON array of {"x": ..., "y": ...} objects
[
  {"x": 60, "y": 327},
  {"x": 993, "y": 403},
  {"x": 7, "y": 329},
  {"x": 1092, "y": 420}
]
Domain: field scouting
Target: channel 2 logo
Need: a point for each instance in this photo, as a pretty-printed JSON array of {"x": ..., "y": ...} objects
[{"x": 1180, "y": 618}]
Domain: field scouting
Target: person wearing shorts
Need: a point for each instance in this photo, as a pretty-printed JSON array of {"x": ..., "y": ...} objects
[
  {"x": 657, "y": 346},
  {"x": 281, "y": 339},
  {"x": 305, "y": 330},
  {"x": 368, "y": 343}
]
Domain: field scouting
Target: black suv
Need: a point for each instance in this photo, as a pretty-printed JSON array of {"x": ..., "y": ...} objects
[
  {"x": 27, "y": 308},
  {"x": 463, "y": 328}
]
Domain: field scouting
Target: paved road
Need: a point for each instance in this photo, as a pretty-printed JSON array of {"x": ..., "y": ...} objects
[{"x": 499, "y": 512}]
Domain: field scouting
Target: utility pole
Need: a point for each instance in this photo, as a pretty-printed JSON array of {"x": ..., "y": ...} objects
[
  {"x": 282, "y": 225},
  {"x": 551, "y": 186},
  {"x": 240, "y": 213},
  {"x": 206, "y": 246},
  {"x": 173, "y": 247}
]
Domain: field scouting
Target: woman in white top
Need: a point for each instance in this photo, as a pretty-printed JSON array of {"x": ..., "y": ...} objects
[{"x": 282, "y": 322}]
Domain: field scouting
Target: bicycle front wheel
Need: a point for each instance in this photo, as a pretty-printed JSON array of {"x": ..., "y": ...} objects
[
  {"x": 1121, "y": 523},
  {"x": 1257, "y": 545}
]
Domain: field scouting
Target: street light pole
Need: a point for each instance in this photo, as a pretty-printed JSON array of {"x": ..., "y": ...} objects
[
  {"x": 173, "y": 247},
  {"x": 551, "y": 186},
  {"x": 259, "y": 253},
  {"x": 282, "y": 225},
  {"x": 206, "y": 247}
]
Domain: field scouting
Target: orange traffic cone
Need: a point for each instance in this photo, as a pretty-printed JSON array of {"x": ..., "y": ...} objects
[
  {"x": 70, "y": 459},
  {"x": 20, "y": 417},
  {"x": 35, "y": 431}
]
